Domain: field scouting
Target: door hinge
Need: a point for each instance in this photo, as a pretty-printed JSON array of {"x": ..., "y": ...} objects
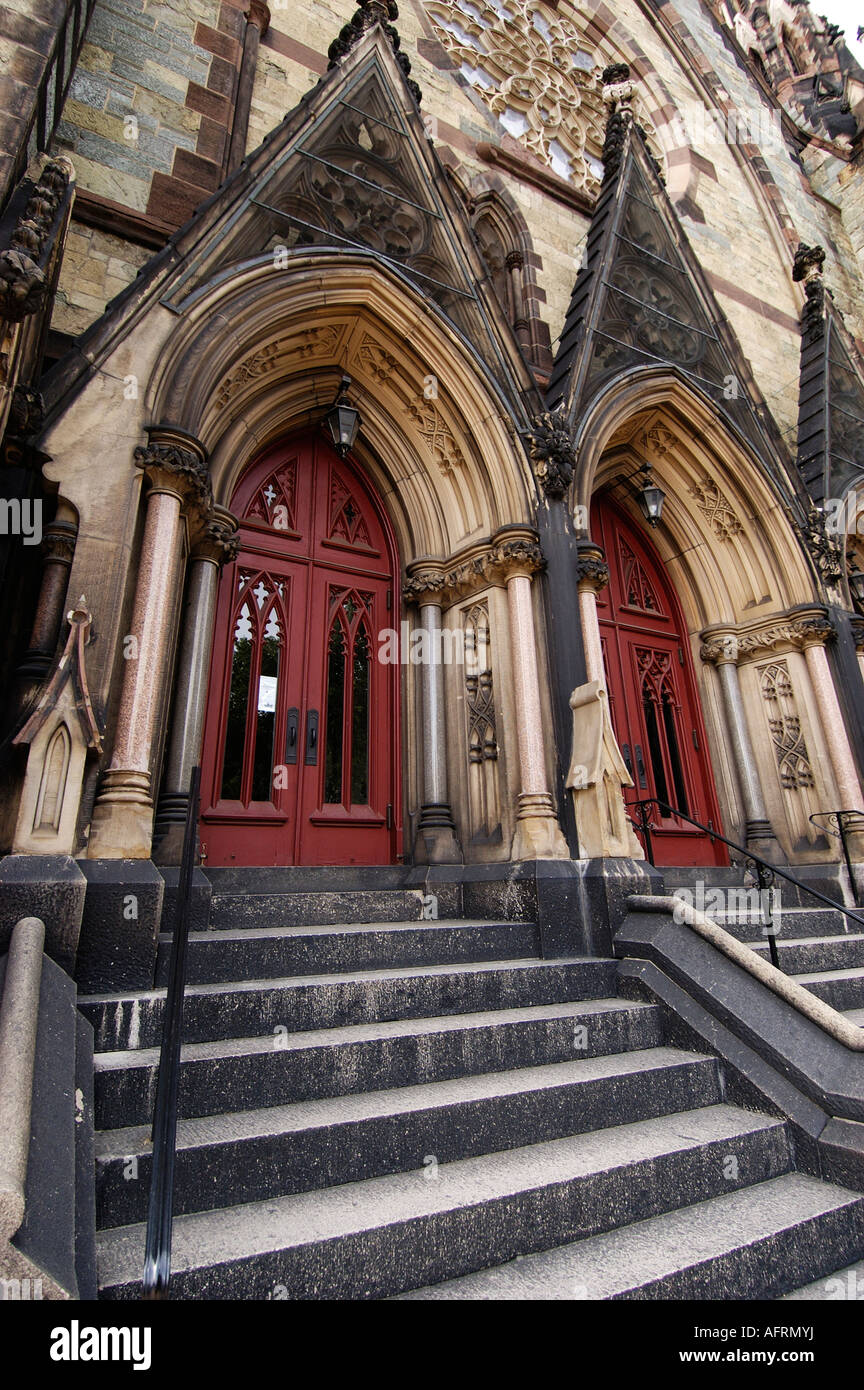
[
  {"x": 680, "y": 656},
  {"x": 389, "y": 599},
  {"x": 695, "y": 740},
  {"x": 389, "y": 816}
]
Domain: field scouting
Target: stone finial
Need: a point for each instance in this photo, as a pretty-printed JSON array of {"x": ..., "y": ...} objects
[
  {"x": 551, "y": 451},
  {"x": 808, "y": 262},
  {"x": 617, "y": 95},
  {"x": 366, "y": 16}
]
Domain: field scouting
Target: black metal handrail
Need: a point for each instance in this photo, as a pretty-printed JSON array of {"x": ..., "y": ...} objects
[
  {"x": 838, "y": 830},
  {"x": 765, "y": 871},
  {"x": 160, "y": 1211}
]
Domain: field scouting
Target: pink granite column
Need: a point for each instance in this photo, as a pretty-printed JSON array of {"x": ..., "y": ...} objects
[
  {"x": 176, "y": 472},
  {"x": 538, "y": 835},
  {"x": 814, "y": 631},
  {"x": 593, "y": 575}
]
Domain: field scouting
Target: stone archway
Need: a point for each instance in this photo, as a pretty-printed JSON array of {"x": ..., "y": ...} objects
[{"x": 755, "y": 626}]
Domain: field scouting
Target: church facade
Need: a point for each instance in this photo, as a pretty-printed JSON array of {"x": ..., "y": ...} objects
[
  {"x": 370, "y": 640},
  {"x": 437, "y": 437}
]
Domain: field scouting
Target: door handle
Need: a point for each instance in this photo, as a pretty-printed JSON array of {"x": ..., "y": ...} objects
[
  {"x": 311, "y": 756},
  {"x": 291, "y": 735},
  {"x": 643, "y": 780}
]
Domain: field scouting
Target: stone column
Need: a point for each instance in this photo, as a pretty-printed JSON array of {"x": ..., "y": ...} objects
[
  {"x": 593, "y": 575},
  {"x": 538, "y": 834},
  {"x": 216, "y": 545},
  {"x": 722, "y": 652},
  {"x": 257, "y": 21},
  {"x": 175, "y": 468},
  {"x": 436, "y": 829},
  {"x": 813, "y": 633},
  {"x": 58, "y": 550}
]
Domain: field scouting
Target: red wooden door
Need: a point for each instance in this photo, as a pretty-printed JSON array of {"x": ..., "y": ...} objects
[
  {"x": 653, "y": 700},
  {"x": 301, "y": 732}
]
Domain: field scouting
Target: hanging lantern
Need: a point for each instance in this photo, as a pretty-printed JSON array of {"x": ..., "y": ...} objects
[
  {"x": 650, "y": 497},
  {"x": 343, "y": 420}
]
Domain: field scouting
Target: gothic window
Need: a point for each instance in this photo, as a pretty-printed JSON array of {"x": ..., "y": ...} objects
[
  {"x": 347, "y": 709},
  {"x": 274, "y": 502},
  {"x": 256, "y": 662},
  {"x": 661, "y": 708},
  {"x": 638, "y": 589}
]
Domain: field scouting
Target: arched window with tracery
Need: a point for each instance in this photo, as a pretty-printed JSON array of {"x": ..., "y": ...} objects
[
  {"x": 347, "y": 709},
  {"x": 256, "y": 669}
]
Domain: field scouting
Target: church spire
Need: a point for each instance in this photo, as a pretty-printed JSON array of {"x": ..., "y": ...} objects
[{"x": 366, "y": 16}]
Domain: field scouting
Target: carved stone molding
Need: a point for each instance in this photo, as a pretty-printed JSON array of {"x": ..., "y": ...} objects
[
  {"x": 443, "y": 581},
  {"x": 551, "y": 451},
  {"x": 792, "y": 632},
  {"x": 856, "y": 625},
  {"x": 26, "y": 412}
]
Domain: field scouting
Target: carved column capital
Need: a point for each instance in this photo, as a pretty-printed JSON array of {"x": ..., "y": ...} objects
[
  {"x": 720, "y": 649},
  {"x": 429, "y": 584},
  {"x": 592, "y": 571},
  {"x": 218, "y": 540},
  {"x": 58, "y": 543},
  {"x": 176, "y": 462},
  {"x": 514, "y": 555},
  {"x": 857, "y": 628},
  {"x": 814, "y": 630}
]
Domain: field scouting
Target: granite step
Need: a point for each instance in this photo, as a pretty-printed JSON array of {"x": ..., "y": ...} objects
[
  {"x": 264, "y": 952},
  {"x": 385, "y": 1235},
  {"x": 302, "y": 1003},
  {"x": 246, "y": 1156},
  {"x": 276, "y": 1069},
  {"x": 750, "y": 1244}
]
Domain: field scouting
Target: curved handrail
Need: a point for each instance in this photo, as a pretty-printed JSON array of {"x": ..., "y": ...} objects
[{"x": 765, "y": 869}]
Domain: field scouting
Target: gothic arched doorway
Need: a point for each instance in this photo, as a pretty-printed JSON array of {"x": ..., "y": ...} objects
[
  {"x": 653, "y": 700},
  {"x": 301, "y": 751}
]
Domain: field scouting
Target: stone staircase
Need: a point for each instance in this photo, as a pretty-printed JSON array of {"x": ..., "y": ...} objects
[
  {"x": 818, "y": 946},
  {"x": 398, "y": 1107}
]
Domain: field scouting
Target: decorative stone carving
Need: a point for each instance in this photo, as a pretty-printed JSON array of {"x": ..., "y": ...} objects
[
  {"x": 807, "y": 267},
  {"x": 436, "y": 433},
  {"x": 22, "y": 279},
  {"x": 369, "y": 13},
  {"x": 219, "y": 539},
  {"x": 319, "y": 342},
  {"x": 659, "y": 440},
  {"x": 716, "y": 508},
  {"x": 27, "y": 411},
  {"x": 596, "y": 777},
  {"x": 592, "y": 571},
  {"x": 495, "y": 563},
  {"x": 790, "y": 749},
  {"x": 720, "y": 649},
  {"x": 377, "y": 360},
  {"x": 70, "y": 666},
  {"x": 481, "y": 725},
  {"x": 552, "y": 453},
  {"x": 168, "y": 460},
  {"x": 534, "y": 70},
  {"x": 826, "y": 550}
]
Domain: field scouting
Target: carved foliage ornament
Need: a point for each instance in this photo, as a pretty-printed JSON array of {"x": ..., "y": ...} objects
[
  {"x": 717, "y": 508},
  {"x": 551, "y": 451},
  {"x": 826, "y": 550},
  {"x": 515, "y": 555},
  {"x": 179, "y": 462}
]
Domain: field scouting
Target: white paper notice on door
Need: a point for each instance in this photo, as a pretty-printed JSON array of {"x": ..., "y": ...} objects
[{"x": 267, "y": 694}]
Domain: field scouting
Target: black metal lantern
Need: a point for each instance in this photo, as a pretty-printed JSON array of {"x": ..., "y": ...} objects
[
  {"x": 343, "y": 420},
  {"x": 650, "y": 497}
]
